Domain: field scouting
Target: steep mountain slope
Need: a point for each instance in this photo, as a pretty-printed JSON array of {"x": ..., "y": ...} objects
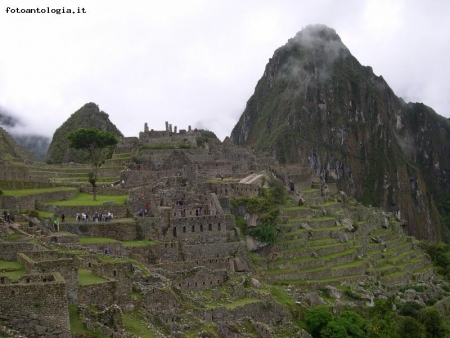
[
  {"x": 317, "y": 106},
  {"x": 86, "y": 117},
  {"x": 10, "y": 150}
]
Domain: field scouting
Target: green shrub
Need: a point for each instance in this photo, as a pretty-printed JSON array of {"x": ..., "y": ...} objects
[
  {"x": 435, "y": 325},
  {"x": 265, "y": 233},
  {"x": 317, "y": 318}
]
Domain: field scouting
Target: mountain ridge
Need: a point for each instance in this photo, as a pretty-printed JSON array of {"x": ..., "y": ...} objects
[{"x": 316, "y": 105}]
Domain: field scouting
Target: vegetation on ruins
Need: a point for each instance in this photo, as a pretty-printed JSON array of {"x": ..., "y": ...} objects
[
  {"x": 96, "y": 143},
  {"x": 205, "y": 135},
  {"x": 267, "y": 208},
  {"x": 440, "y": 254}
]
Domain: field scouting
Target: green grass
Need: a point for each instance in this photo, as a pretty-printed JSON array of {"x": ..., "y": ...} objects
[
  {"x": 86, "y": 277},
  {"x": 28, "y": 192},
  {"x": 14, "y": 237},
  {"x": 76, "y": 325},
  {"x": 83, "y": 199},
  {"x": 129, "y": 244},
  {"x": 235, "y": 304},
  {"x": 13, "y": 270},
  {"x": 44, "y": 214},
  {"x": 10, "y": 265},
  {"x": 96, "y": 240},
  {"x": 282, "y": 297},
  {"x": 137, "y": 325},
  {"x": 295, "y": 208}
]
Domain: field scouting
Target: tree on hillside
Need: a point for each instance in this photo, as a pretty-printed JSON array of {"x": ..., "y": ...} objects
[{"x": 96, "y": 142}]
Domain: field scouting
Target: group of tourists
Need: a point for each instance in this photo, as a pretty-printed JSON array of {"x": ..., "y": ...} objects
[
  {"x": 6, "y": 217},
  {"x": 98, "y": 217}
]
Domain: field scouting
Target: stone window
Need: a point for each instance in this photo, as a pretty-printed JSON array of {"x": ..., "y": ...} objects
[
  {"x": 201, "y": 227},
  {"x": 2, "y": 280},
  {"x": 89, "y": 264},
  {"x": 193, "y": 227},
  {"x": 210, "y": 227},
  {"x": 114, "y": 273},
  {"x": 218, "y": 227},
  {"x": 184, "y": 229}
]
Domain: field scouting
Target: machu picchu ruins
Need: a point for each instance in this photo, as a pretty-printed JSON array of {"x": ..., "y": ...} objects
[{"x": 308, "y": 221}]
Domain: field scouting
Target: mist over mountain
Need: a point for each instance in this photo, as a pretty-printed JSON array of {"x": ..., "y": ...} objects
[
  {"x": 317, "y": 106},
  {"x": 22, "y": 134}
]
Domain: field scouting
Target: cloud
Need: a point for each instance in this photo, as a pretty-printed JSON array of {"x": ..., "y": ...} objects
[{"x": 196, "y": 62}]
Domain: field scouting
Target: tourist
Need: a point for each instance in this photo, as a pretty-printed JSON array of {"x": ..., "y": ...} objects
[
  {"x": 56, "y": 225},
  {"x": 4, "y": 214}
]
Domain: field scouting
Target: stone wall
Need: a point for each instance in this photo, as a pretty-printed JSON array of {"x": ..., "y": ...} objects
[
  {"x": 199, "y": 279},
  {"x": 118, "y": 271},
  {"x": 13, "y": 185},
  {"x": 213, "y": 263},
  {"x": 119, "y": 231},
  {"x": 29, "y": 202},
  {"x": 119, "y": 211},
  {"x": 101, "y": 294},
  {"x": 9, "y": 250},
  {"x": 52, "y": 261},
  {"x": 14, "y": 173},
  {"x": 36, "y": 308},
  {"x": 235, "y": 190}
]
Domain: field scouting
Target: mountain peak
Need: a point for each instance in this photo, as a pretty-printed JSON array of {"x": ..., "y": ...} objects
[
  {"x": 318, "y": 107},
  {"x": 87, "y": 116}
]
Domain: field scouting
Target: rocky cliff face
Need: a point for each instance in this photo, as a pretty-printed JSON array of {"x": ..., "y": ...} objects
[
  {"x": 316, "y": 105},
  {"x": 87, "y": 116}
]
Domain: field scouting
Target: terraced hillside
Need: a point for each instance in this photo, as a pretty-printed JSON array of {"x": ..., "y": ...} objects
[{"x": 334, "y": 242}]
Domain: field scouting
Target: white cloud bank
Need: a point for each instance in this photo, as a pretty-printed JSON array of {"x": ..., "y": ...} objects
[{"x": 197, "y": 62}]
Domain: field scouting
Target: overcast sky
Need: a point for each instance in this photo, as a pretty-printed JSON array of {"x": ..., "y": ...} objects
[{"x": 197, "y": 62}]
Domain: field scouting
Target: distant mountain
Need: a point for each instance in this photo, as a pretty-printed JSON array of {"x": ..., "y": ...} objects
[
  {"x": 86, "y": 117},
  {"x": 316, "y": 105},
  {"x": 11, "y": 151},
  {"x": 36, "y": 144}
]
